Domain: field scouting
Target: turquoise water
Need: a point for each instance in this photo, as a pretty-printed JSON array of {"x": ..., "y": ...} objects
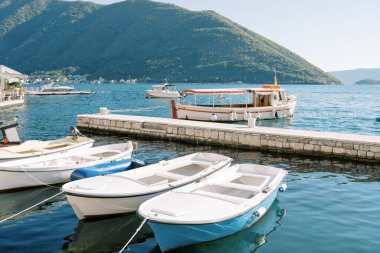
[{"x": 329, "y": 206}]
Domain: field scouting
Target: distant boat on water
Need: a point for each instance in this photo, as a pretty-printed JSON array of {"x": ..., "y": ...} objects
[
  {"x": 165, "y": 90},
  {"x": 50, "y": 89}
]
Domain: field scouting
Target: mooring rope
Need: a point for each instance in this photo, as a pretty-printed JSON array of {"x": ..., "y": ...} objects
[
  {"x": 37, "y": 180},
  {"x": 138, "y": 110},
  {"x": 27, "y": 209},
  {"x": 133, "y": 236}
]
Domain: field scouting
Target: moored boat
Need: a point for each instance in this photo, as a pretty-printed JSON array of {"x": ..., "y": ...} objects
[
  {"x": 124, "y": 192},
  {"x": 57, "y": 168},
  {"x": 35, "y": 148},
  {"x": 162, "y": 91},
  {"x": 51, "y": 89},
  {"x": 229, "y": 105},
  {"x": 223, "y": 204}
]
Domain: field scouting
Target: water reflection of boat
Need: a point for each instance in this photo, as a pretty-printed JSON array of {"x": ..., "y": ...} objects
[
  {"x": 106, "y": 235},
  {"x": 247, "y": 240},
  {"x": 14, "y": 202}
]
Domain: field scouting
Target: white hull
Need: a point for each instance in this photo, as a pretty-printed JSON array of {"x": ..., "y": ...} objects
[
  {"x": 14, "y": 180},
  {"x": 124, "y": 192},
  {"x": 209, "y": 113},
  {"x": 33, "y": 148},
  {"x": 11, "y": 103},
  {"x": 87, "y": 207},
  {"x": 57, "y": 168},
  {"x": 163, "y": 94}
]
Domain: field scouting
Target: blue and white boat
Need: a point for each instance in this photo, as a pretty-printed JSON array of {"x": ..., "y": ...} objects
[
  {"x": 106, "y": 168},
  {"x": 221, "y": 205}
]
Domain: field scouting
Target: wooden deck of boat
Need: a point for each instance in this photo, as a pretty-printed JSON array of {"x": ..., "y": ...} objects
[{"x": 365, "y": 148}]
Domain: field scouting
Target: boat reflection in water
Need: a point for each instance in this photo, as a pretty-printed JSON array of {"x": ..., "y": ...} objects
[
  {"x": 248, "y": 240},
  {"x": 110, "y": 234},
  {"x": 11, "y": 203}
]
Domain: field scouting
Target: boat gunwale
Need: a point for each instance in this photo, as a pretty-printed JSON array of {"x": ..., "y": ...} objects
[
  {"x": 243, "y": 212},
  {"x": 227, "y": 162}
]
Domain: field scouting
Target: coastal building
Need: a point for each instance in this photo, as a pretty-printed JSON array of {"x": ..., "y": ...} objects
[{"x": 11, "y": 90}]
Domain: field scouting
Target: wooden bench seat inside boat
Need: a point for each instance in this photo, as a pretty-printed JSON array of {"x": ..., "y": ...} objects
[
  {"x": 57, "y": 146},
  {"x": 189, "y": 170},
  {"x": 249, "y": 182},
  {"x": 107, "y": 153},
  {"x": 227, "y": 193},
  {"x": 258, "y": 170}
]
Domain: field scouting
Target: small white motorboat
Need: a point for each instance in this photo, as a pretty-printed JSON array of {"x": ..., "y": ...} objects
[
  {"x": 163, "y": 91},
  {"x": 50, "y": 89},
  {"x": 221, "y": 205},
  {"x": 34, "y": 148},
  {"x": 57, "y": 168},
  {"x": 124, "y": 192}
]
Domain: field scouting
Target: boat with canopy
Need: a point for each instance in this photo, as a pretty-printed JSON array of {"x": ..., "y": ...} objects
[{"x": 240, "y": 104}]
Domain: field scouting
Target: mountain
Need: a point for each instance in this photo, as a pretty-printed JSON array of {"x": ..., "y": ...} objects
[
  {"x": 144, "y": 40},
  {"x": 368, "y": 81},
  {"x": 354, "y": 75}
]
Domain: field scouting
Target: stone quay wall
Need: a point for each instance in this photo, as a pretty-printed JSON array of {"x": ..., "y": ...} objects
[{"x": 363, "y": 148}]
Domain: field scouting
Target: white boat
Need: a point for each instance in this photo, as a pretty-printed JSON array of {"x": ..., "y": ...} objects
[
  {"x": 50, "y": 89},
  {"x": 163, "y": 91},
  {"x": 229, "y": 105},
  {"x": 223, "y": 204},
  {"x": 57, "y": 168},
  {"x": 35, "y": 148},
  {"x": 124, "y": 192}
]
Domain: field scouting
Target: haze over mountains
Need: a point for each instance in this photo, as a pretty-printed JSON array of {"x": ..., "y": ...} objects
[
  {"x": 354, "y": 75},
  {"x": 144, "y": 40}
]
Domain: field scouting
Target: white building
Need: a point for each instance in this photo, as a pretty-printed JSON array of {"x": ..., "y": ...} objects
[{"x": 11, "y": 95}]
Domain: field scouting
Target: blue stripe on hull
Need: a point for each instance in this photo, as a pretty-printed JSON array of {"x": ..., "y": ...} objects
[{"x": 170, "y": 236}]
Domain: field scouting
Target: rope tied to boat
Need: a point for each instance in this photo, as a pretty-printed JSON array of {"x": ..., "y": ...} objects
[
  {"x": 133, "y": 236},
  {"x": 39, "y": 181},
  {"x": 27, "y": 209}
]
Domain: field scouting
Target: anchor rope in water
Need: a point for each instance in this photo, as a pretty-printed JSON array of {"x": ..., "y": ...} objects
[
  {"x": 133, "y": 236},
  {"x": 27, "y": 209},
  {"x": 139, "y": 109}
]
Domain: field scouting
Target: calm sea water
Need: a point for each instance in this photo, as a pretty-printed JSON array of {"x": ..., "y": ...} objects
[{"x": 329, "y": 206}]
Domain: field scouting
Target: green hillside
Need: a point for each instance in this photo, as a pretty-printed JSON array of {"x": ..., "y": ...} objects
[{"x": 144, "y": 40}]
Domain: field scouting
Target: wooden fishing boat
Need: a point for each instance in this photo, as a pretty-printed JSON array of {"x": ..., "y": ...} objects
[
  {"x": 223, "y": 204},
  {"x": 57, "y": 168},
  {"x": 229, "y": 105},
  {"x": 124, "y": 192}
]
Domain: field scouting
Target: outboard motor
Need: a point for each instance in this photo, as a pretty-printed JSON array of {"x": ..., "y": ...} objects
[
  {"x": 9, "y": 132},
  {"x": 75, "y": 132}
]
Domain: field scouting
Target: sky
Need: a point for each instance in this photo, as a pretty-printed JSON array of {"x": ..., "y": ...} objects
[{"x": 331, "y": 34}]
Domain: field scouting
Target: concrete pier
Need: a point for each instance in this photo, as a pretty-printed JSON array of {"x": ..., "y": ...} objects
[{"x": 364, "y": 148}]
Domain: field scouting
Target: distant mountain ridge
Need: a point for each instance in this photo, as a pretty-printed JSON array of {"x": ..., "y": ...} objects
[
  {"x": 355, "y": 75},
  {"x": 143, "y": 40}
]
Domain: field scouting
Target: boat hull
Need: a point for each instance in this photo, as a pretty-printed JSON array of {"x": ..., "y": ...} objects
[
  {"x": 90, "y": 207},
  {"x": 17, "y": 180},
  {"x": 174, "y": 236},
  {"x": 154, "y": 94},
  {"x": 227, "y": 114},
  {"x": 4, "y": 158},
  {"x": 12, "y": 103}
]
